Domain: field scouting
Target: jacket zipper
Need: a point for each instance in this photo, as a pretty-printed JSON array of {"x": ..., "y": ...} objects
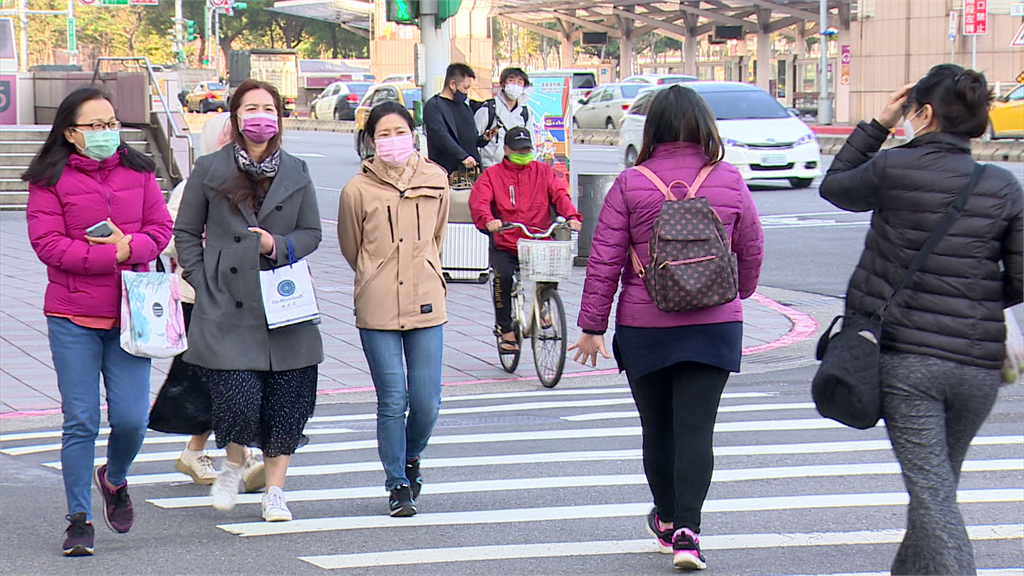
[
  {"x": 419, "y": 235},
  {"x": 391, "y": 225}
]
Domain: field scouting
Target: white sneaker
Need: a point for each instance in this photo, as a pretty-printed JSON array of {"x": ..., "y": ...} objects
[
  {"x": 254, "y": 475},
  {"x": 225, "y": 487},
  {"x": 275, "y": 507},
  {"x": 198, "y": 465}
]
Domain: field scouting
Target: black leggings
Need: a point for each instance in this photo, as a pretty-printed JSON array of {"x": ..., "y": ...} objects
[
  {"x": 504, "y": 265},
  {"x": 678, "y": 406}
]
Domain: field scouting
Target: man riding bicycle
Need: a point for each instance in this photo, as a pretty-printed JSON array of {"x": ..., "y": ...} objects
[{"x": 516, "y": 190}]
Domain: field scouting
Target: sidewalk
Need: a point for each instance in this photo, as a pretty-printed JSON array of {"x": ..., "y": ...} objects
[{"x": 28, "y": 384}]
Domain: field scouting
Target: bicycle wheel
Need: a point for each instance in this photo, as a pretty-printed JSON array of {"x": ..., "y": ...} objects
[
  {"x": 549, "y": 340},
  {"x": 509, "y": 360}
]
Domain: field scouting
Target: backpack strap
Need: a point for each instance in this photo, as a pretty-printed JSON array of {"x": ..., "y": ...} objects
[{"x": 638, "y": 267}]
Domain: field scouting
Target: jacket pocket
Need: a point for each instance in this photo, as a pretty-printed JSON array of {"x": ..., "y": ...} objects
[{"x": 366, "y": 274}]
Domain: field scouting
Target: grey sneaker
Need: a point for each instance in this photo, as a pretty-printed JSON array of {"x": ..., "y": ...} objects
[
  {"x": 275, "y": 506},
  {"x": 254, "y": 474},
  {"x": 225, "y": 487}
]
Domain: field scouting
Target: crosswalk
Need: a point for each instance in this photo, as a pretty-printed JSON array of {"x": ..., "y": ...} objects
[{"x": 546, "y": 481}]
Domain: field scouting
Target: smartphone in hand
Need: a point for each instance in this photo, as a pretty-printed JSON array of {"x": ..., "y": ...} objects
[{"x": 99, "y": 230}]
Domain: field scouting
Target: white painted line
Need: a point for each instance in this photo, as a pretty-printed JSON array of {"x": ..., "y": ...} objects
[
  {"x": 523, "y": 406},
  {"x": 152, "y": 440},
  {"x": 308, "y": 155},
  {"x": 721, "y": 410},
  {"x": 608, "y": 547},
  {"x": 604, "y": 511},
  {"x": 548, "y": 483}
]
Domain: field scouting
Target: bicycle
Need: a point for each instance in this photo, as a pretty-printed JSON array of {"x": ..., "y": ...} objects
[{"x": 546, "y": 263}]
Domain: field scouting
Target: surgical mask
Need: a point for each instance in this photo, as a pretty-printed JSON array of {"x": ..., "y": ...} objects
[
  {"x": 459, "y": 97},
  {"x": 521, "y": 158},
  {"x": 100, "y": 145},
  {"x": 513, "y": 91},
  {"x": 259, "y": 126},
  {"x": 395, "y": 150},
  {"x": 908, "y": 128}
]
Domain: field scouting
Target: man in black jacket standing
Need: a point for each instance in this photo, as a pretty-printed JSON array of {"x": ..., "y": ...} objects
[{"x": 452, "y": 139}]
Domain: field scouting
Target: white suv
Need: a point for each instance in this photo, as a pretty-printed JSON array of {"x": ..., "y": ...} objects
[
  {"x": 762, "y": 139},
  {"x": 659, "y": 79}
]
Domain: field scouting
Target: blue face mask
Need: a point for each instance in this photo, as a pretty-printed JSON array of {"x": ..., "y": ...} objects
[{"x": 102, "y": 144}]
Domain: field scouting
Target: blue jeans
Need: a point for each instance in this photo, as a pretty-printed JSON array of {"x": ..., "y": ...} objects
[
  {"x": 400, "y": 439},
  {"x": 80, "y": 355}
]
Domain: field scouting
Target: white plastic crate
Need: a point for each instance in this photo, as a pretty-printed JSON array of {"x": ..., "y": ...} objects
[{"x": 545, "y": 260}]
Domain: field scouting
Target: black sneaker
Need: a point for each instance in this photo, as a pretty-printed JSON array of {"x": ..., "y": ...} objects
[
  {"x": 79, "y": 536},
  {"x": 662, "y": 534},
  {"x": 401, "y": 501},
  {"x": 412, "y": 472}
]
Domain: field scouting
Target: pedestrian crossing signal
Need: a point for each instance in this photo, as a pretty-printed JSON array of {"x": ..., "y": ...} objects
[{"x": 403, "y": 11}]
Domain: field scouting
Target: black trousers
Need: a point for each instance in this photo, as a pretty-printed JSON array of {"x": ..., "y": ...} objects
[
  {"x": 678, "y": 406},
  {"x": 504, "y": 265}
]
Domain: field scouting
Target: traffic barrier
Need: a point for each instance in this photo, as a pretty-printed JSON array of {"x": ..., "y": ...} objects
[{"x": 985, "y": 150}]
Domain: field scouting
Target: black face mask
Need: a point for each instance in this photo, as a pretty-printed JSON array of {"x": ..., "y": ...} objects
[{"x": 459, "y": 97}]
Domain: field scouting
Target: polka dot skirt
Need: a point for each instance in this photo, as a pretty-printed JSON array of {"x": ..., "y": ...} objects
[{"x": 267, "y": 410}]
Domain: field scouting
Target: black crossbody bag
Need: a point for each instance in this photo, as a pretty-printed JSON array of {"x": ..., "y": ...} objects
[{"x": 847, "y": 386}]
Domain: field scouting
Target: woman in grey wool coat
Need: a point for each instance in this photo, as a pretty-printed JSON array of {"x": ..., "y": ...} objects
[{"x": 241, "y": 208}]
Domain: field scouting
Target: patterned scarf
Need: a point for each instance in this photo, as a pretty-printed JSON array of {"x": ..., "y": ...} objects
[{"x": 257, "y": 170}]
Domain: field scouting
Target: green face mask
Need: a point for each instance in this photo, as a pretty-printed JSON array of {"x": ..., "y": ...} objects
[
  {"x": 522, "y": 159},
  {"x": 102, "y": 144}
]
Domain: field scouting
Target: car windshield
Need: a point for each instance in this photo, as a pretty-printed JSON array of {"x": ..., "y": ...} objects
[
  {"x": 743, "y": 105},
  {"x": 411, "y": 96},
  {"x": 631, "y": 90},
  {"x": 583, "y": 81},
  {"x": 215, "y": 86}
]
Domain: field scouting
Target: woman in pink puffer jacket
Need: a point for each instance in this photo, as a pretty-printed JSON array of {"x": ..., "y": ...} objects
[
  {"x": 677, "y": 363},
  {"x": 84, "y": 175}
]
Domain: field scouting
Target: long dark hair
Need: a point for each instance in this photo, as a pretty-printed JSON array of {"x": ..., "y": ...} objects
[
  {"x": 48, "y": 165},
  {"x": 679, "y": 114},
  {"x": 960, "y": 99},
  {"x": 251, "y": 191}
]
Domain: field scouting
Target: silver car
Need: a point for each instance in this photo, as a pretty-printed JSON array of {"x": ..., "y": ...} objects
[{"x": 605, "y": 106}]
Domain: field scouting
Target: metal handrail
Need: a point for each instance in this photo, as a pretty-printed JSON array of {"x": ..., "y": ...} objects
[{"x": 177, "y": 132}]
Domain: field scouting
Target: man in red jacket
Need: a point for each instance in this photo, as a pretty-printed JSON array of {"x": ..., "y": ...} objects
[{"x": 516, "y": 190}]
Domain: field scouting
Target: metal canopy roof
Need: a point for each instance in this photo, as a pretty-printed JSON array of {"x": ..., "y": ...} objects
[
  {"x": 668, "y": 17},
  {"x": 351, "y": 14}
]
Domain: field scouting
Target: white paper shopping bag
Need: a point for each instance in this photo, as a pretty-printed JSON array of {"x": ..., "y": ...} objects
[
  {"x": 288, "y": 296},
  {"x": 152, "y": 321}
]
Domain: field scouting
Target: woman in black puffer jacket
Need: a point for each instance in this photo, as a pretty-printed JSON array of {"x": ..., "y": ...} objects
[{"x": 943, "y": 335}]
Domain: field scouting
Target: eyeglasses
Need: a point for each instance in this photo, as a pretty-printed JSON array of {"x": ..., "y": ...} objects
[{"x": 100, "y": 126}]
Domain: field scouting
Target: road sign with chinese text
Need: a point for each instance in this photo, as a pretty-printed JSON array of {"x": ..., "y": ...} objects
[
  {"x": 72, "y": 39},
  {"x": 975, "y": 17}
]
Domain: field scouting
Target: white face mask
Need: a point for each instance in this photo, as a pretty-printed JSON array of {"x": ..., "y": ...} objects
[
  {"x": 513, "y": 91},
  {"x": 908, "y": 128}
]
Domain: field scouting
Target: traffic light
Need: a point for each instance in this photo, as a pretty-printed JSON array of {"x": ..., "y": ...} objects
[
  {"x": 191, "y": 33},
  {"x": 403, "y": 11},
  {"x": 447, "y": 8}
]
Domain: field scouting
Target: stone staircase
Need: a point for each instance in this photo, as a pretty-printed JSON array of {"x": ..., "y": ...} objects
[{"x": 19, "y": 144}]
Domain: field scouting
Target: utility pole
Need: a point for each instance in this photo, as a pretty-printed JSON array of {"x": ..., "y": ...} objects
[
  {"x": 216, "y": 41},
  {"x": 207, "y": 33},
  {"x": 437, "y": 51},
  {"x": 179, "y": 32},
  {"x": 824, "y": 99}
]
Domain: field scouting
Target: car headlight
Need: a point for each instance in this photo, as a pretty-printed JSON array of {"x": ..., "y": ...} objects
[
  {"x": 732, "y": 143},
  {"x": 806, "y": 139}
]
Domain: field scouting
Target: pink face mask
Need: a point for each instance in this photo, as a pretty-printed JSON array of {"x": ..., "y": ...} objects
[
  {"x": 259, "y": 126},
  {"x": 395, "y": 150}
]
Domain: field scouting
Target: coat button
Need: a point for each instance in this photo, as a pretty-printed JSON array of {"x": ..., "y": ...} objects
[
  {"x": 238, "y": 304},
  {"x": 400, "y": 282},
  {"x": 279, "y": 207},
  {"x": 402, "y": 327},
  {"x": 401, "y": 239},
  {"x": 234, "y": 270},
  {"x": 238, "y": 239}
]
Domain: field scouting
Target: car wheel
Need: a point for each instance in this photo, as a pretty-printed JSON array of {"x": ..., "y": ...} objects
[
  {"x": 203, "y": 109},
  {"x": 630, "y": 158},
  {"x": 609, "y": 124},
  {"x": 337, "y": 114},
  {"x": 800, "y": 183}
]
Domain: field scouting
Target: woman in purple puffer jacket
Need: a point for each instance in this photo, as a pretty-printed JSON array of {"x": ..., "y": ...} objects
[
  {"x": 85, "y": 175},
  {"x": 677, "y": 363}
]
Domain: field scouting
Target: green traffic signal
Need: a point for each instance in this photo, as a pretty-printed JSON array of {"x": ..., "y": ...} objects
[
  {"x": 403, "y": 11},
  {"x": 191, "y": 33}
]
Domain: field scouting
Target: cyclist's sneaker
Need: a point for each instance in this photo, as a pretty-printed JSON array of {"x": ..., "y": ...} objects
[
  {"x": 79, "y": 536},
  {"x": 225, "y": 487},
  {"x": 254, "y": 474},
  {"x": 275, "y": 507},
  {"x": 401, "y": 501},
  {"x": 686, "y": 551},
  {"x": 412, "y": 472},
  {"x": 198, "y": 465},
  {"x": 117, "y": 505},
  {"x": 661, "y": 533}
]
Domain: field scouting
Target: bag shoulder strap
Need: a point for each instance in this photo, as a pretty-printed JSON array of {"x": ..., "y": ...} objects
[
  {"x": 938, "y": 234},
  {"x": 701, "y": 176}
]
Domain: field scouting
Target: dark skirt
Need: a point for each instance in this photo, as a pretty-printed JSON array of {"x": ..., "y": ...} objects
[{"x": 640, "y": 351}]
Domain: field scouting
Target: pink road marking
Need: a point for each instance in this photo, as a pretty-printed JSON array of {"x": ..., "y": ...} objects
[{"x": 803, "y": 328}]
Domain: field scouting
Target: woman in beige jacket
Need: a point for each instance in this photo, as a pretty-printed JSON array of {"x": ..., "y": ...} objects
[{"x": 391, "y": 223}]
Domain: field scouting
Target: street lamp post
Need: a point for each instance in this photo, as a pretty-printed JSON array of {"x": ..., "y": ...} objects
[{"x": 824, "y": 98}]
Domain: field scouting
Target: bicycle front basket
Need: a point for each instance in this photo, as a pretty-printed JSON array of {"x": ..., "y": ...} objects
[{"x": 545, "y": 260}]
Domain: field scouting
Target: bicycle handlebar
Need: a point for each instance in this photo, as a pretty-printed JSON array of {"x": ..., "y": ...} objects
[{"x": 558, "y": 223}]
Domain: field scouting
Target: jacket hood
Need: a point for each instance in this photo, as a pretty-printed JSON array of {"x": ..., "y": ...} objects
[
  {"x": 666, "y": 149},
  {"x": 426, "y": 175},
  {"x": 945, "y": 140}
]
